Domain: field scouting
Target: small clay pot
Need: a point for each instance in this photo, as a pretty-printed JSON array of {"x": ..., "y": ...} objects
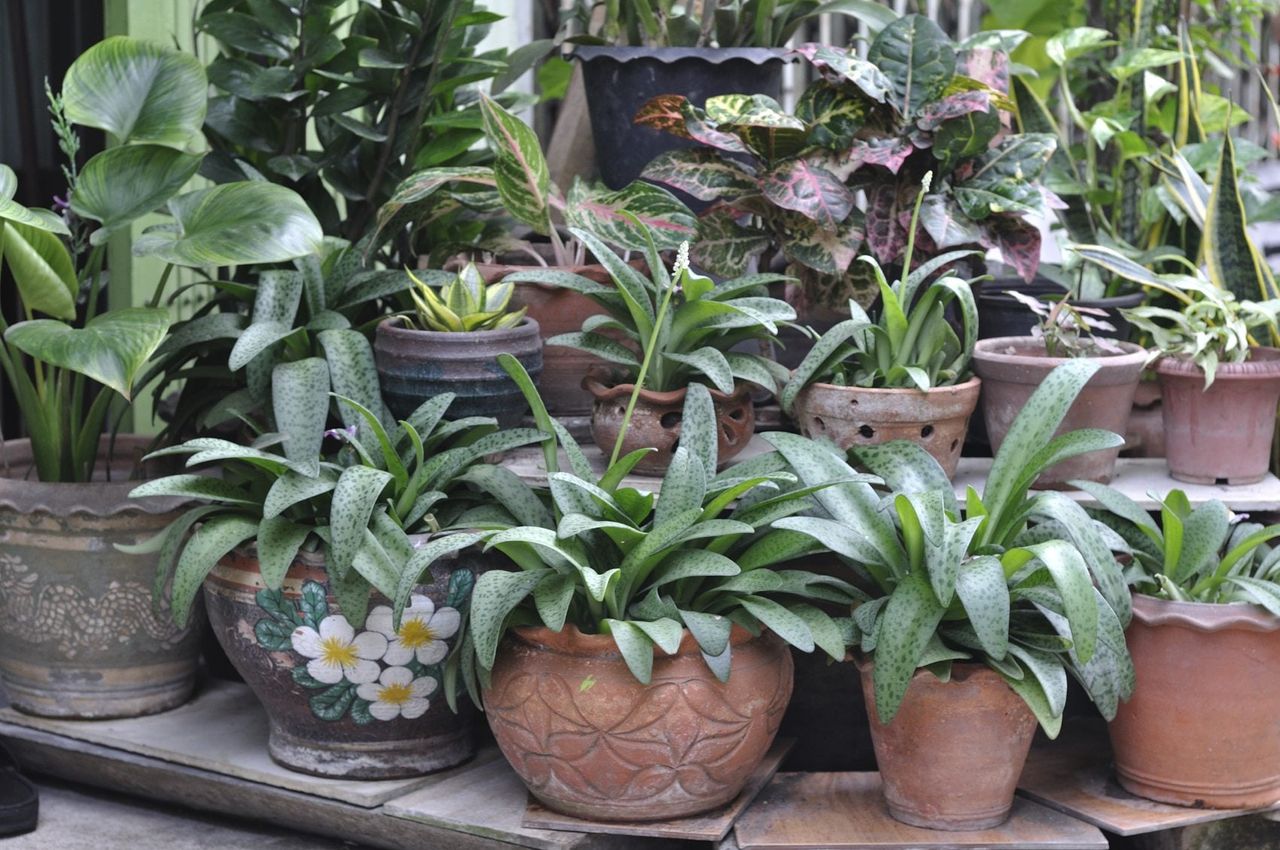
[
  {"x": 1012, "y": 368},
  {"x": 1221, "y": 435},
  {"x": 655, "y": 421},
  {"x": 592, "y": 742},
  {"x": 1201, "y": 728},
  {"x": 952, "y": 756},
  {"x": 856, "y": 416}
]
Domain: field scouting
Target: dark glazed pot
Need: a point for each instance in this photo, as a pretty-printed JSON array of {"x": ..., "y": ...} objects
[
  {"x": 655, "y": 421},
  {"x": 1222, "y": 434},
  {"x": 1012, "y": 368},
  {"x": 354, "y": 703},
  {"x": 1203, "y": 725},
  {"x": 415, "y": 365},
  {"x": 79, "y": 637},
  {"x": 1000, "y": 314},
  {"x": 937, "y": 420},
  {"x": 952, "y": 756},
  {"x": 590, "y": 741}
]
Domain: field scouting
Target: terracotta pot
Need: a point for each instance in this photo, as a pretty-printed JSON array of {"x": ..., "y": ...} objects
[
  {"x": 1221, "y": 435},
  {"x": 380, "y": 715},
  {"x": 78, "y": 634},
  {"x": 592, "y": 742},
  {"x": 952, "y": 756},
  {"x": 655, "y": 421},
  {"x": 1013, "y": 367},
  {"x": 1201, "y": 728},
  {"x": 415, "y": 365},
  {"x": 855, "y": 416}
]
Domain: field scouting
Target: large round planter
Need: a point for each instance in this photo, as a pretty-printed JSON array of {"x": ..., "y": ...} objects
[
  {"x": 415, "y": 365},
  {"x": 620, "y": 80},
  {"x": 937, "y": 420},
  {"x": 655, "y": 421},
  {"x": 360, "y": 703},
  {"x": 590, "y": 741},
  {"x": 1201, "y": 728},
  {"x": 952, "y": 755},
  {"x": 78, "y": 634},
  {"x": 1221, "y": 435},
  {"x": 1012, "y": 368},
  {"x": 1000, "y": 314}
]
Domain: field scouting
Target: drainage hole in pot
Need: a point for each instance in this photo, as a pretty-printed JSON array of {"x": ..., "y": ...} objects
[
  {"x": 738, "y": 414},
  {"x": 670, "y": 420},
  {"x": 926, "y": 432},
  {"x": 954, "y": 443},
  {"x": 818, "y": 424},
  {"x": 867, "y": 431},
  {"x": 622, "y": 410},
  {"x": 729, "y": 436}
]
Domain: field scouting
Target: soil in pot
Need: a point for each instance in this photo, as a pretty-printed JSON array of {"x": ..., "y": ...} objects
[
  {"x": 1201, "y": 728},
  {"x": 356, "y": 703},
  {"x": 590, "y": 741},
  {"x": 1012, "y": 368},
  {"x": 655, "y": 421},
  {"x": 937, "y": 420},
  {"x": 80, "y": 637},
  {"x": 415, "y": 365},
  {"x": 952, "y": 755},
  {"x": 1221, "y": 435}
]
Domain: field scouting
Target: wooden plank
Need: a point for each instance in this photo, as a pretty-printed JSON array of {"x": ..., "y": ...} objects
[
  {"x": 1074, "y": 775},
  {"x": 712, "y": 826},
  {"x": 845, "y": 811}
]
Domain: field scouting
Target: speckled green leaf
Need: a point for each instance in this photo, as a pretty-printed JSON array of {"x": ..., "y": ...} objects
[
  {"x": 711, "y": 631},
  {"x": 818, "y": 361},
  {"x": 552, "y": 597},
  {"x": 944, "y": 557},
  {"x": 354, "y": 497},
  {"x": 278, "y": 542},
  {"x": 509, "y": 491},
  {"x": 910, "y": 618},
  {"x": 1047, "y": 669},
  {"x": 293, "y": 487},
  {"x": 300, "y": 404},
  {"x": 1204, "y": 533},
  {"x": 1085, "y": 535},
  {"x": 918, "y": 59},
  {"x": 664, "y": 632},
  {"x": 194, "y": 486},
  {"x": 698, "y": 430},
  {"x": 1075, "y": 585},
  {"x": 208, "y": 545},
  {"x": 1064, "y": 446},
  {"x": 981, "y": 586},
  {"x": 710, "y": 363},
  {"x": 827, "y": 636},
  {"x": 907, "y": 468},
  {"x": 636, "y": 648},
  {"x": 1028, "y": 687},
  {"x": 497, "y": 592},
  {"x": 423, "y": 557},
  {"x": 354, "y": 374},
  {"x": 597, "y": 344},
  {"x": 683, "y": 489},
  {"x": 780, "y": 621},
  {"x": 693, "y": 563}
]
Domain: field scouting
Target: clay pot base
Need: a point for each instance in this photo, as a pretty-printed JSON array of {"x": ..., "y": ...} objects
[
  {"x": 399, "y": 760},
  {"x": 1236, "y": 481}
]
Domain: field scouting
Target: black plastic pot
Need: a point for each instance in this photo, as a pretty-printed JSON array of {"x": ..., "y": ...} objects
[
  {"x": 620, "y": 80},
  {"x": 1002, "y": 315}
]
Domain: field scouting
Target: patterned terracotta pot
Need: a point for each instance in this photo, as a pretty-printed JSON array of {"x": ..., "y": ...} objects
[
  {"x": 78, "y": 634},
  {"x": 356, "y": 703},
  {"x": 590, "y": 741}
]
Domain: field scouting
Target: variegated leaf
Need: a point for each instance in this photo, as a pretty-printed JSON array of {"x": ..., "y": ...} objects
[
  {"x": 809, "y": 189},
  {"x": 702, "y": 173},
  {"x": 613, "y": 216},
  {"x": 841, "y": 64}
]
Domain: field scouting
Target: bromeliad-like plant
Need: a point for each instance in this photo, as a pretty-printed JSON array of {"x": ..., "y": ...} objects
[
  {"x": 465, "y": 303},
  {"x": 1024, "y": 583}
]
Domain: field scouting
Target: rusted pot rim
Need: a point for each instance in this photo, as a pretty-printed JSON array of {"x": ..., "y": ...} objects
[
  {"x": 94, "y": 498},
  {"x": 572, "y": 641},
  {"x": 392, "y": 328},
  {"x": 967, "y": 387},
  {"x": 1203, "y": 616},
  {"x": 1027, "y": 347},
  {"x": 594, "y": 383},
  {"x": 1263, "y": 365}
]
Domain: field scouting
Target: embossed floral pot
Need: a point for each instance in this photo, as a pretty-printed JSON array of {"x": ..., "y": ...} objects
[
  {"x": 78, "y": 634},
  {"x": 590, "y": 741},
  {"x": 356, "y": 703},
  {"x": 1203, "y": 725}
]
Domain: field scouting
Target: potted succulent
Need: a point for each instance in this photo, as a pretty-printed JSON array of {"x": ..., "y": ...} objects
[
  {"x": 300, "y": 558},
  {"x": 1206, "y": 622},
  {"x": 518, "y": 186},
  {"x": 675, "y": 329},
  {"x": 72, "y": 361},
  {"x": 636, "y": 666},
  {"x": 904, "y": 375},
  {"x": 1013, "y": 367},
  {"x": 449, "y": 344},
  {"x": 972, "y": 624}
]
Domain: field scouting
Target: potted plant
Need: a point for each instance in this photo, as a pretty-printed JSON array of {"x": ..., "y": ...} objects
[
  {"x": 449, "y": 345},
  {"x": 971, "y": 625},
  {"x": 1013, "y": 367},
  {"x": 675, "y": 329},
  {"x": 1206, "y": 622},
  {"x": 904, "y": 375},
  {"x": 518, "y": 186},
  {"x": 64, "y": 489},
  {"x": 636, "y": 666},
  {"x": 292, "y": 552}
]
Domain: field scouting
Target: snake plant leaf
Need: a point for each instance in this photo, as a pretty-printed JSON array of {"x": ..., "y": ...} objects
[
  {"x": 293, "y": 487},
  {"x": 234, "y": 224},
  {"x": 1032, "y": 693},
  {"x": 111, "y": 348},
  {"x": 778, "y": 619},
  {"x": 1231, "y": 256},
  {"x": 711, "y": 363},
  {"x": 210, "y": 543},
  {"x": 984, "y": 594},
  {"x": 354, "y": 496},
  {"x": 138, "y": 91},
  {"x": 42, "y": 268},
  {"x": 552, "y": 597},
  {"x": 918, "y": 59},
  {"x": 636, "y": 647},
  {"x": 910, "y": 618},
  {"x": 123, "y": 183},
  {"x": 300, "y": 404},
  {"x": 519, "y": 168},
  {"x": 278, "y": 542}
]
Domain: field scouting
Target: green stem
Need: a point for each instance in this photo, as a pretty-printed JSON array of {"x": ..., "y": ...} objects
[
  {"x": 96, "y": 258},
  {"x": 164, "y": 278},
  {"x": 644, "y": 369}
]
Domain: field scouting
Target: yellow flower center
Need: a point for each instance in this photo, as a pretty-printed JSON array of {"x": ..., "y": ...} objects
[
  {"x": 337, "y": 651},
  {"x": 416, "y": 633},
  {"x": 396, "y": 694}
]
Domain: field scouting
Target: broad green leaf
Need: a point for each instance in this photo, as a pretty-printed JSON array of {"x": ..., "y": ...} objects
[
  {"x": 597, "y": 344},
  {"x": 693, "y": 563},
  {"x": 354, "y": 497},
  {"x": 278, "y": 542},
  {"x": 826, "y": 634},
  {"x": 910, "y": 619},
  {"x": 300, "y": 404},
  {"x": 699, "y": 431},
  {"x": 664, "y": 632},
  {"x": 818, "y": 361},
  {"x": 917, "y": 57},
  {"x": 42, "y": 268},
  {"x": 625, "y": 218},
  {"x": 123, "y": 183},
  {"x": 636, "y": 647},
  {"x": 511, "y": 492},
  {"x": 984, "y": 594},
  {"x": 907, "y": 468},
  {"x": 11, "y": 210},
  {"x": 710, "y": 363},
  {"x": 209, "y": 544},
  {"x": 111, "y": 348},
  {"x": 1204, "y": 533}
]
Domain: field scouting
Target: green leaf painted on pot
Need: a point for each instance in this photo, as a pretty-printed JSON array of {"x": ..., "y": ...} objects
[
  {"x": 360, "y": 714},
  {"x": 42, "y": 268},
  {"x": 124, "y": 183},
  {"x": 332, "y": 703},
  {"x": 273, "y": 635},
  {"x": 278, "y": 607},
  {"x": 917, "y": 57},
  {"x": 313, "y": 604}
]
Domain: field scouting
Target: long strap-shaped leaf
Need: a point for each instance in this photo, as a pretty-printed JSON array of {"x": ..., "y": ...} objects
[{"x": 1233, "y": 259}]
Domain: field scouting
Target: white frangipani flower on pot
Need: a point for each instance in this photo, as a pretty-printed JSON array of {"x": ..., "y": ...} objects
[
  {"x": 423, "y": 634},
  {"x": 338, "y": 653},
  {"x": 398, "y": 694}
]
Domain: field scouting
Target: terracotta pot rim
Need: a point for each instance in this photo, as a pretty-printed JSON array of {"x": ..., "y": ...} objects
[
  {"x": 985, "y": 349},
  {"x": 390, "y": 325},
  {"x": 571, "y": 640},
  {"x": 594, "y": 383},
  {"x": 973, "y": 384},
  {"x": 1203, "y": 616},
  {"x": 1265, "y": 367}
]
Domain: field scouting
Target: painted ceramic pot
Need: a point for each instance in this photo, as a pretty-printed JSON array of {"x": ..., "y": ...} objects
[
  {"x": 79, "y": 636},
  {"x": 345, "y": 701}
]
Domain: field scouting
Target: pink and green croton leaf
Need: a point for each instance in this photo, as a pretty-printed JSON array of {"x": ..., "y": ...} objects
[
  {"x": 888, "y": 153},
  {"x": 1005, "y": 179},
  {"x": 885, "y": 234},
  {"x": 703, "y": 173},
  {"x": 809, "y": 189},
  {"x": 621, "y": 218},
  {"x": 674, "y": 114},
  {"x": 919, "y": 60},
  {"x": 843, "y": 65},
  {"x": 1018, "y": 241},
  {"x": 833, "y": 116},
  {"x": 760, "y": 122},
  {"x": 825, "y": 250},
  {"x": 726, "y": 244},
  {"x": 933, "y": 115}
]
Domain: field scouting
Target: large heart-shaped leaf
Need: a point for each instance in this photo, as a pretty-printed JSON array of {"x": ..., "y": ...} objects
[
  {"x": 111, "y": 348},
  {"x": 123, "y": 183},
  {"x": 234, "y": 224},
  {"x": 11, "y": 210},
  {"x": 917, "y": 57},
  {"x": 42, "y": 268},
  {"x": 138, "y": 91}
]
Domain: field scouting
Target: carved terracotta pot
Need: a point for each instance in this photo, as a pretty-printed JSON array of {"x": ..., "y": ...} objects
[
  {"x": 590, "y": 741},
  {"x": 78, "y": 634},
  {"x": 357, "y": 702},
  {"x": 655, "y": 421},
  {"x": 937, "y": 420},
  {"x": 1203, "y": 725},
  {"x": 952, "y": 755}
]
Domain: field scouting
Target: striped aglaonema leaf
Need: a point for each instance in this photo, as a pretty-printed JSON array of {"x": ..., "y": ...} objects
[
  {"x": 1233, "y": 260},
  {"x": 520, "y": 170},
  {"x": 621, "y": 218},
  {"x": 703, "y": 173}
]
